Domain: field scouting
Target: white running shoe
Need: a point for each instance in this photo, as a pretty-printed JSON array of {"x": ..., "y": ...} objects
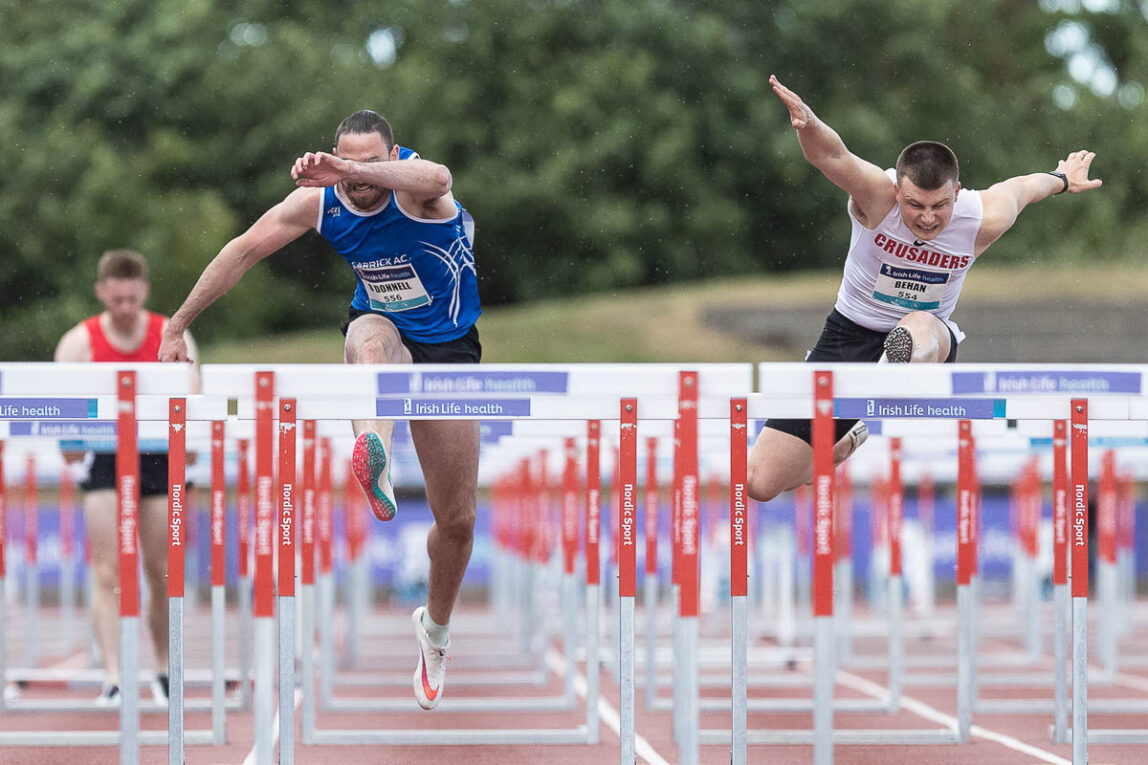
[
  {"x": 430, "y": 674},
  {"x": 371, "y": 467},
  {"x": 109, "y": 696},
  {"x": 159, "y": 690}
]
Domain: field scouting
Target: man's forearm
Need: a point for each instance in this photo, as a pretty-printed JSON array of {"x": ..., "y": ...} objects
[
  {"x": 221, "y": 275},
  {"x": 418, "y": 176},
  {"x": 821, "y": 144}
]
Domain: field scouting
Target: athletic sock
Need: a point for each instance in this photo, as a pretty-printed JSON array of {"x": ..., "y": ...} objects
[{"x": 439, "y": 634}]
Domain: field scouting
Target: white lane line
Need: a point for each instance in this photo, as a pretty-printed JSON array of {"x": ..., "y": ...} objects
[
  {"x": 606, "y": 712},
  {"x": 922, "y": 709},
  {"x": 250, "y": 758}
]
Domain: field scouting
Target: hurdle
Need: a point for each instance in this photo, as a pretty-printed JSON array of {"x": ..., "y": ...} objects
[
  {"x": 82, "y": 393},
  {"x": 308, "y": 407}
]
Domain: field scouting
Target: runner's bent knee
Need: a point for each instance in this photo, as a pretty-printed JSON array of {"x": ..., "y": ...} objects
[
  {"x": 374, "y": 340},
  {"x": 930, "y": 336}
]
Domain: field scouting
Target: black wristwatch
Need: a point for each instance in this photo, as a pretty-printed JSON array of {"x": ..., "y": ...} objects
[{"x": 1062, "y": 177}]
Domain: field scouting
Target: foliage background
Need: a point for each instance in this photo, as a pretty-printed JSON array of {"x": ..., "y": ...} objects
[{"x": 600, "y": 144}]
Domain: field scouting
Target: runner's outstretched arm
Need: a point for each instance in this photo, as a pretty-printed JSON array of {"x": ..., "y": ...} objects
[
  {"x": 282, "y": 224},
  {"x": 871, "y": 190},
  {"x": 1004, "y": 201}
]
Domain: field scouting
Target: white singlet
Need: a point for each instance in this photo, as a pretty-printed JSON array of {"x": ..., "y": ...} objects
[{"x": 890, "y": 273}]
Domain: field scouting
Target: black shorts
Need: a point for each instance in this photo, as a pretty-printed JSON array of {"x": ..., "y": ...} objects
[
  {"x": 845, "y": 340},
  {"x": 153, "y": 474},
  {"x": 464, "y": 350}
]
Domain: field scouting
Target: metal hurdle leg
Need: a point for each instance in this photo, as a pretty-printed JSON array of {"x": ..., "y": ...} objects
[
  {"x": 356, "y": 608},
  {"x": 245, "y": 639},
  {"x": 1080, "y": 680},
  {"x": 286, "y": 680},
  {"x": 626, "y": 673},
  {"x": 32, "y": 609},
  {"x": 676, "y": 666},
  {"x": 264, "y": 694},
  {"x": 1032, "y": 609},
  {"x": 129, "y": 690},
  {"x": 4, "y": 692},
  {"x": 218, "y": 663},
  {"x": 593, "y": 666},
  {"x": 965, "y": 698},
  {"x": 896, "y": 646},
  {"x": 843, "y": 612},
  {"x": 175, "y": 680},
  {"x": 326, "y": 639},
  {"x": 650, "y": 601},
  {"x": 1060, "y": 659},
  {"x": 68, "y": 603},
  {"x": 1109, "y": 617},
  {"x": 308, "y": 662},
  {"x": 570, "y": 633}
]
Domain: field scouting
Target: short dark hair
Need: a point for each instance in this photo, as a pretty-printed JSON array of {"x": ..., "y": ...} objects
[
  {"x": 928, "y": 164},
  {"x": 121, "y": 264},
  {"x": 366, "y": 121}
]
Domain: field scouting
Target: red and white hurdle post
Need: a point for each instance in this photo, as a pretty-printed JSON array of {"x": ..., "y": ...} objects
[
  {"x": 1060, "y": 579},
  {"x": 569, "y": 555},
  {"x": 966, "y": 544},
  {"x": 127, "y": 519},
  {"x": 1107, "y": 501},
  {"x": 264, "y": 632},
  {"x": 1079, "y": 574},
  {"x": 823, "y": 437},
  {"x": 286, "y": 545},
  {"x": 627, "y": 571},
  {"x": 31, "y": 559},
  {"x": 243, "y": 540},
  {"x": 593, "y": 574},
  {"x": 176, "y": 552},
  {"x": 325, "y": 526},
  {"x": 307, "y": 581},
  {"x": 3, "y": 598},
  {"x": 69, "y": 635},
  {"x": 738, "y": 577},
  {"x": 218, "y": 584},
  {"x": 689, "y": 606},
  {"x": 650, "y": 594},
  {"x": 896, "y": 590}
]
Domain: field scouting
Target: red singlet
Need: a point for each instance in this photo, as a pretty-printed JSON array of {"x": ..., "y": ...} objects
[{"x": 148, "y": 350}]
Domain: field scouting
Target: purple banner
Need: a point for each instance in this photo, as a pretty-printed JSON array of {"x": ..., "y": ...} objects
[
  {"x": 449, "y": 408},
  {"x": 1054, "y": 381},
  {"x": 64, "y": 429},
  {"x": 478, "y": 383},
  {"x": 47, "y": 408},
  {"x": 926, "y": 408}
]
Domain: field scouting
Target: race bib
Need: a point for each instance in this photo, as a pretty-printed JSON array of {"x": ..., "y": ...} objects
[
  {"x": 910, "y": 288},
  {"x": 393, "y": 288}
]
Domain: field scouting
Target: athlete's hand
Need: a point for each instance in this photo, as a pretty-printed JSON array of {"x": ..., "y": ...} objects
[
  {"x": 800, "y": 115},
  {"x": 173, "y": 348},
  {"x": 319, "y": 169},
  {"x": 1075, "y": 167}
]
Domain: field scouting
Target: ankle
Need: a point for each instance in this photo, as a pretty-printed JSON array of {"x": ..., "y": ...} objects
[{"x": 439, "y": 634}]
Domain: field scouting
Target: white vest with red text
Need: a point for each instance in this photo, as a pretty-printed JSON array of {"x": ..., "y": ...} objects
[{"x": 889, "y": 272}]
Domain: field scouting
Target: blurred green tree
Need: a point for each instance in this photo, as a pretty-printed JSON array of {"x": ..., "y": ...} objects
[{"x": 599, "y": 143}]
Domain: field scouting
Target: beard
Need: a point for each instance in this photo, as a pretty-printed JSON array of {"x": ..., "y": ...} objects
[{"x": 363, "y": 196}]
